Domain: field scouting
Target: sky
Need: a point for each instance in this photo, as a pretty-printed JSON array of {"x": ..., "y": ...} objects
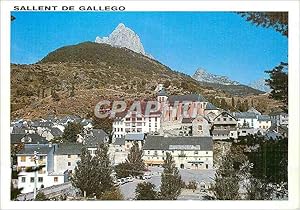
[{"x": 223, "y": 43}]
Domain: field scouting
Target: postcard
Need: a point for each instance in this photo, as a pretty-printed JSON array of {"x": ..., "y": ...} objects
[{"x": 153, "y": 105}]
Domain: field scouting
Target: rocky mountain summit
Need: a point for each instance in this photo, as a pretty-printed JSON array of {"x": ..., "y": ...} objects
[
  {"x": 123, "y": 36},
  {"x": 202, "y": 75},
  {"x": 260, "y": 84}
]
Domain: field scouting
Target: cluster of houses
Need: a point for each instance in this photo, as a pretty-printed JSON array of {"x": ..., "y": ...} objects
[{"x": 189, "y": 138}]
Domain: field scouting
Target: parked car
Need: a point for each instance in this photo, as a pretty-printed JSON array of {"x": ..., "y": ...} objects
[
  {"x": 147, "y": 176},
  {"x": 130, "y": 179}
]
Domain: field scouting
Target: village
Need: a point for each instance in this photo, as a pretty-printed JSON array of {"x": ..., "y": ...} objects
[{"x": 191, "y": 142}]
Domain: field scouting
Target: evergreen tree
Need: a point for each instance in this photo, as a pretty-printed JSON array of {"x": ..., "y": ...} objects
[
  {"x": 170, "y": 180},
  {"x": 72, "y": 92},
  {"x": 232, "y": 102},
  {"x": 93, "y": 174},
  {"x": 226, "y": 183},
  {"x": 276, "y": 20},
  {"x": 14, "y": 192},
  {"x": 135, "y": 160},
  {"x": 71, "y": 131},
  {"x": 278, "y": 82},
  {"x": 145, "y": 191},
  {"x": 245, "y": 105},
  {"x": 223, "y": 104},
  {"x": 239, "y": 105}
]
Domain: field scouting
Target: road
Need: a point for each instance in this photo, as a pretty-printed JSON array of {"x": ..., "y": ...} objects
[{"x": 200, "y": 176}]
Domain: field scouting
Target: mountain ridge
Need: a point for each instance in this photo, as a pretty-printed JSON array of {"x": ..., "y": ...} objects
[
  {"x": 72, "y": 79},
  {"x": 202, "y": 75}
]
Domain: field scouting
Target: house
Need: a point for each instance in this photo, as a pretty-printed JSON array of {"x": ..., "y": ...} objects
[
  {"x": 224, "y": 127},
  {"x": 279, "y": 118},
  {"x": 25, "y": 160},
  {"x": 244, "y": 131},
  {"x": 187, "y": 152},
  {"x": 51, "y": 133},
  {"x": 198, "y": 126},
  {"x": 27, "y": 139},
  {"x": 253, "y": 110},
  {"x": 211, "y": 111},
  {"x": 247, "y": 119},
  {"x": 264, "y": 123},
  {"x": 66, "y": 157}
]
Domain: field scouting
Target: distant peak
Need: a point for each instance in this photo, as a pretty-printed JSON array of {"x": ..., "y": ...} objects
[{"x": 203, "y": 75}]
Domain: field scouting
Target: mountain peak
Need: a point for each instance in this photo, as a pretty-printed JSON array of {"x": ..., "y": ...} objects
[
  {"x": 203, "y": 75},
  {"x": 123, "y": 36}
]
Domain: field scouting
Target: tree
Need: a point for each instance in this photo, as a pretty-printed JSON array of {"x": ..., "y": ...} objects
[
  {"x": 135, "y": 160},
  {"x": 71, "y": 131},
  {"x": 276, "y": 20},
  {"x": 170, "y": 180},
  {"x": 113, "y": 194},
  {"x": 226, "y": 183},
  {"x": 103, "y": 123},
  {"x": 239, "y": 105},
  {"x": 279, "y": 84},
  {"x": 14, "y": 192},
  {"x": 54, "y": 95},
  {"x": 134, "y": 164},
  {"x": 167, "y": 83},
  {"x": 223, "y": 104},
  {"x": 123, "y": 170},
  {"x": 232, "y": 102},
  {"x": 145, "y": 191},
  {"x": 72, "y": 92},
  {"x": 41, "y": 197},
  {"x": 93, "y": 174}
]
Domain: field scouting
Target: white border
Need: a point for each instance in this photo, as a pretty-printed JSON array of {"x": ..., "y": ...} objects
[{"x": 293, "y": 168}]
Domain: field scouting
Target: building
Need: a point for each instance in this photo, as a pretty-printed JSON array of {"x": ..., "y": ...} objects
[
  {"x": 25, "y": 162},
  {"x": 198, "y": 126},
  {"x": 187, "y": 152},
  {"x": 279, "y": 118},
  {"x": 66, "y": 157},
  {"x": 224, "y": 127},
  {"x": 264, "y": 123},
  {"x": 246, "y": 119},
  {"x": 136, "y": 122}
]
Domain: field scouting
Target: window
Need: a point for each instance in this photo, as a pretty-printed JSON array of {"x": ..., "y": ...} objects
[
  {"x": 23, "y": 179},
  {"x": 224, "y": 119},
  {"x": 40, "y": 179},
  {"x": 200, "y": 127},
  {"x": 207, "y": 153},
  {"x": 23, "y": 158},
  {"x": 127, "y": 119},
  {"x": 219, "y": 119},
  {"x": 69, "y": 163},
  {"x": 196, "y": 152},
  {"x": 69, "y": 156},
  {"x": 55, "y": 179},
  {"x": 31, "y": 179},
  {"x": 148, "y": 152},
  {"x": 78, "y": 156}
]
